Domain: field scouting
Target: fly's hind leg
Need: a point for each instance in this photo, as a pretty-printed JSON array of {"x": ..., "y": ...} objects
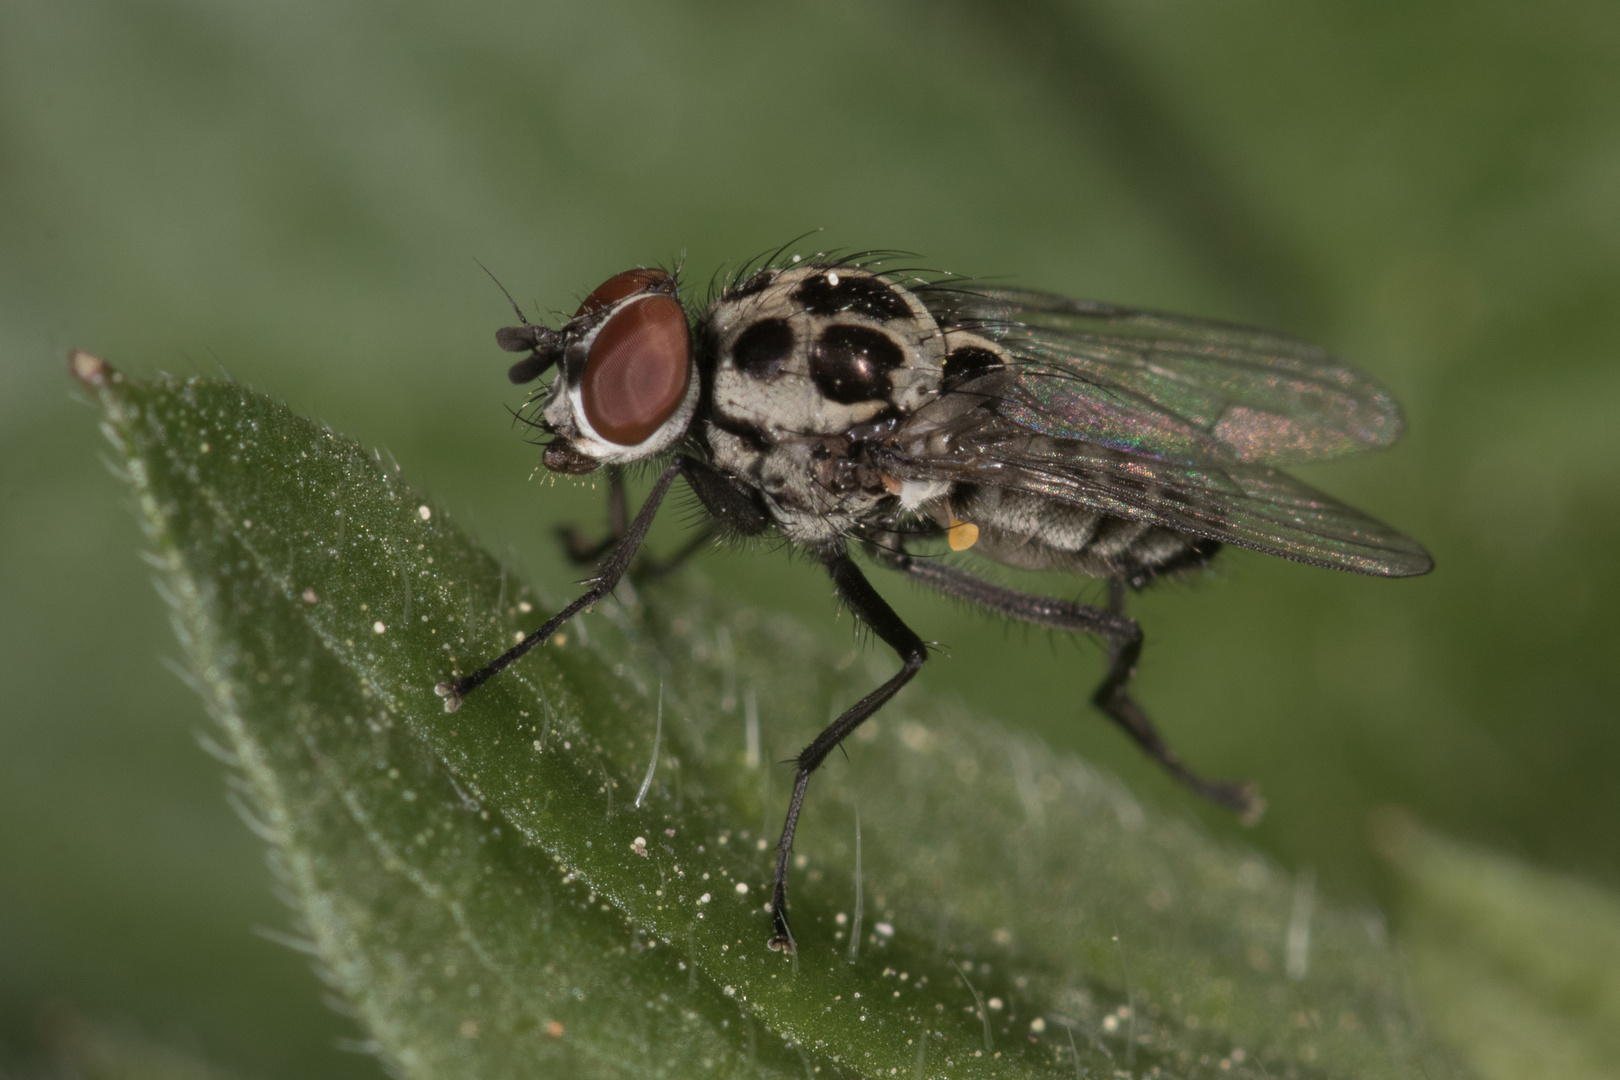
[
  {"x": 1124, "y": 639},
  {"x": 1114, "y": 699}
]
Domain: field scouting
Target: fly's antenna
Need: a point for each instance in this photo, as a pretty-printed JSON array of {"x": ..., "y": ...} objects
[{"x": 501, "y": 287}]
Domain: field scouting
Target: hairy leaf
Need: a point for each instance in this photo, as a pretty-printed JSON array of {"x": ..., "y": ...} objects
[{"x": 568, "y": 876}]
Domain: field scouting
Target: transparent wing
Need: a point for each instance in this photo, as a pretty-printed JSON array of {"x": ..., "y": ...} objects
[
  {"x": 1242, "y": 503},
  {"x": 1170, "y": 386}
]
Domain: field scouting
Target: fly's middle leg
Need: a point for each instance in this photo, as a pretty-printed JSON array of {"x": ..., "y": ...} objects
[{"x": 867, "y": 606}]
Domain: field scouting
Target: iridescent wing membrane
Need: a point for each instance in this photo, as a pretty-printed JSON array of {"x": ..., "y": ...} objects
[{"x": 1162, "y": 418}]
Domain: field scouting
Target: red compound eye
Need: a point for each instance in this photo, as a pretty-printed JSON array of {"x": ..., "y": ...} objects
[
  {"x": 618, "y": 287},
  {"x": 638, "y": 369}
]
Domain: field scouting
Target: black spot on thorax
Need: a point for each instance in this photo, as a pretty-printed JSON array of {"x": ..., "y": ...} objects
[
  {"x": 968, "y": 362},
  {"x": 852, "y": 363},
  {"x": 763, "y": 350},
  {"x": 757, "y": 282},
  {"x": 834, "y": 293}
]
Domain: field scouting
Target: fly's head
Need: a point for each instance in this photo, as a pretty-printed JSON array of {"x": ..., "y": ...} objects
[{"x": 625, "y": 388}]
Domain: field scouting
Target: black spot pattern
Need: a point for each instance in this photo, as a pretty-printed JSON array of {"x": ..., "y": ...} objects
[
  {"x": 756, "y": 282},
  {"x": 752, "y": 435},
  {"x": 763, "y": 349},
  {"x": 970, "y": 361},
  {"x": 855, "y": 294},
  {"x": 852, "y": 363}
]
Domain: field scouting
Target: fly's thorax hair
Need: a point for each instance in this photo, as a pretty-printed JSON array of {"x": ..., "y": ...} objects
[{"x": 567, "y": 411}]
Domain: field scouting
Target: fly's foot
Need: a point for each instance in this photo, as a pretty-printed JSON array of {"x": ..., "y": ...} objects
[
  {"x": 1240, "y": 797},
  {"x": 782, "y": 940},
  {"x": 1253, "y": 806},
  {"x": 452, "y": 699}
]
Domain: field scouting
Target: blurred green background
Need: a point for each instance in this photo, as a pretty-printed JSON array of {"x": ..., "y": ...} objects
[{"x": 296, "y": 194}]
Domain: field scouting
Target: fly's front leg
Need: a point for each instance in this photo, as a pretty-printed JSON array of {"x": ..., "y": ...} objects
[
  {"x": 866, "y": 605},
  {"x": 607, "y": 576},
  {"x": 1124, "y": 638},
  {"x": 580, "y": 548}
]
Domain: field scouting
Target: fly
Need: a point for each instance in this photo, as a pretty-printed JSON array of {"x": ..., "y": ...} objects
[{"x": 843, "y": 407}]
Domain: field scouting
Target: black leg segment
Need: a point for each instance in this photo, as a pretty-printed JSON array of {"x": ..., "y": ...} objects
[
  {"x": 578, "y": 547},
  {"x": 599, "y": 586},
  {"x": 1116, "y": 703},
  {"x": 651, "y": 568},
  {"x": 866, "y": 605},
  {"x": 1124, "y": 638},
  {"x": 581, "y": 549}
]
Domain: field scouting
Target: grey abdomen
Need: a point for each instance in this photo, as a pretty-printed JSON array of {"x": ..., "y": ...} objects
[{"x": 1033, "y": 532}]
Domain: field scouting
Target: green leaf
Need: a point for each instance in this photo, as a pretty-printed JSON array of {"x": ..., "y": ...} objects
[
  {"x": 1520, "y": 968},
  {"x": 491, "y": 898}
]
